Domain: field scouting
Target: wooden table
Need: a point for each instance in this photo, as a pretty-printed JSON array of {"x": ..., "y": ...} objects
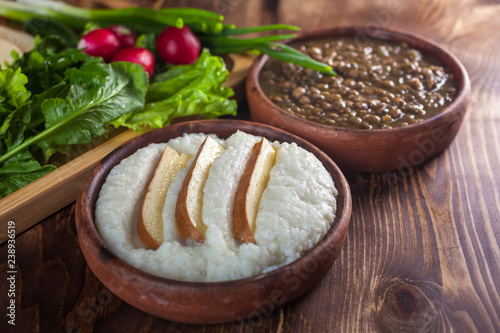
[{"x": 423, "y": 249}]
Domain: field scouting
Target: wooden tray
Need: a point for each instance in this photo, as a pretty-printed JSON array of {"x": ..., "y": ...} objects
[{"x": 40, "y": 199}]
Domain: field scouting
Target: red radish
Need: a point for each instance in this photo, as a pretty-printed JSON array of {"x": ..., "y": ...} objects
[
  {"x": 100, "y": 43},
  {"x": 139, "y": 56},
  {"x": 178, "y": 46},
  {"x": 125, "y": 35}
]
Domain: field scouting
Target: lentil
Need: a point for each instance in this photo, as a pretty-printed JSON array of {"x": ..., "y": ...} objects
[{"x": 298, "y": 92}]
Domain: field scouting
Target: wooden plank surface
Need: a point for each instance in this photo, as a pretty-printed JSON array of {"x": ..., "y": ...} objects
[{"x": 423, "y": 249}]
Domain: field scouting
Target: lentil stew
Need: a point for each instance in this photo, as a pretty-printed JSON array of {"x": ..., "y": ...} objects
[{"x": 380, "y": 84}]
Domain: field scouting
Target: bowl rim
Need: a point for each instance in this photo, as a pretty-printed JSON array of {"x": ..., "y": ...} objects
[
  {"x": 88, "y": 233},
  {"x": 379, "y": 32}
]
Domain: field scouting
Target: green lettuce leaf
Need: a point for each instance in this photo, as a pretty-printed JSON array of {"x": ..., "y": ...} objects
[
  {"x": 13, "y": 93},
  {"x": 194, "y": 89}
]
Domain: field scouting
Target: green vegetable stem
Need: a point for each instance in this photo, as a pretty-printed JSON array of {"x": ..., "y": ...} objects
[{"x": 218, "y": 37}]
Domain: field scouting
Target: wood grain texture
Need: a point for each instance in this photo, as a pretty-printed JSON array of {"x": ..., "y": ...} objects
[{"x": 423, "y": 249}]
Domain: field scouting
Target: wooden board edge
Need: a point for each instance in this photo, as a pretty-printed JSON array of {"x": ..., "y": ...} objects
[
  {"x": 237, "y": 77},
  {"x": 21, "y": 39},
  {"x": 58, "y": 189}
]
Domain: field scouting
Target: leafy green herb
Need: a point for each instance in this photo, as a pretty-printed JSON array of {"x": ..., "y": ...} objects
[
  {"x": 46, "y": 64},
  {"x": 20, "y": 171},
  {"x": 70, "y": 98},
  {"x": 84, "y": 111},
  {"x": 13, "y": 93}
]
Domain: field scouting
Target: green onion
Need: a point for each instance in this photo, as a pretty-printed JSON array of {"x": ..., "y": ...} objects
[
  {"x": 140, "y": 19},
  {"x": 218, "y": 41},
  {"x": 240, "y": 31},
  {"x": 287, "y": 49},
  {"x": 193, "y": 12},
  {"x": 209, "y": 26},
  {"x": 294, "y": 58}
]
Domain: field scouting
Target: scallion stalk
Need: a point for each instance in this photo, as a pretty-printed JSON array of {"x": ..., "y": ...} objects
[
  {"x": 208, "y": 25},
  {"x": 215, "y": 41},
  {"x": 296, "y": 58},
  {"x": 228, "y": 31}
]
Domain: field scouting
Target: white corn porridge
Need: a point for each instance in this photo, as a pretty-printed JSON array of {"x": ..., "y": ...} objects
[{"x": 296, "y": 210}]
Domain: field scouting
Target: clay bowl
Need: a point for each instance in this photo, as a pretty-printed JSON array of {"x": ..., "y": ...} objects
[
  {"x": 380, "y": 150},
  {"x": 211, "y": 302}
]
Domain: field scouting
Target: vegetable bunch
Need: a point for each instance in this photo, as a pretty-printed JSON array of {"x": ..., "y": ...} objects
[
  {"x": 218, "y": 37},
  {"x": 56, "y": 96}
]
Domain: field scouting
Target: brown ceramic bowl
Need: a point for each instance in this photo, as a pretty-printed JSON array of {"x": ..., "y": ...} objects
[
  {"x": 210, "y": 302},
  {"x": 380, "y": 150}
]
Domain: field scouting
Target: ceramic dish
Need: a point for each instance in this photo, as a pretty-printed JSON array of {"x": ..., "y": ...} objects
[
  {"x": 209, "y": 302},
  {"x": 375, "y": 150}
]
